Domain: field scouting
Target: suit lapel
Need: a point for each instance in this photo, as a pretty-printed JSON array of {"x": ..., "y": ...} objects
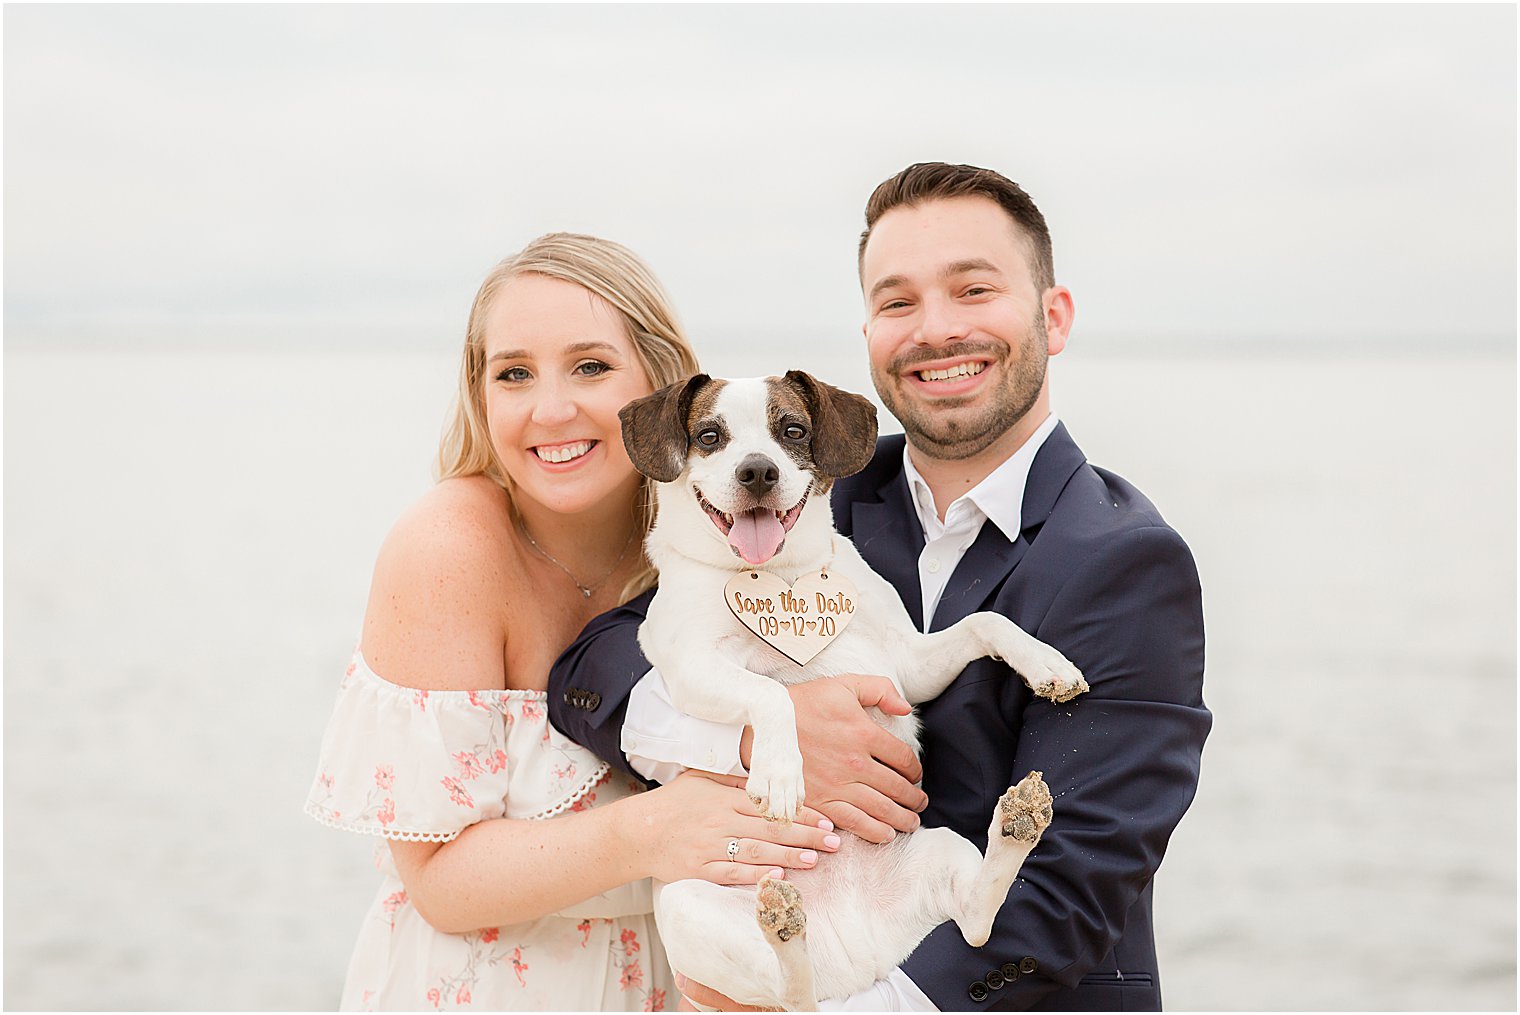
[
  {"x": 888, "y": 536},
  {"x": 992, "y": 558},
  {"x": 988, "y": 561}
]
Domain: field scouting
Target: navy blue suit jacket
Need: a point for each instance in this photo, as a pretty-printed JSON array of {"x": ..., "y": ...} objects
[{"x": 1095, "y": 573}]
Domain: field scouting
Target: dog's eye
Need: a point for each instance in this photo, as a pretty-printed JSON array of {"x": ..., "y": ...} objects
[
  {"x": 794, "y": 432},
  {"x": 707, "y": 438}
]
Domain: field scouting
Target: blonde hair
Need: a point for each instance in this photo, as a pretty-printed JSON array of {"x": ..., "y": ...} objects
[{"x": 617, "y": 275}]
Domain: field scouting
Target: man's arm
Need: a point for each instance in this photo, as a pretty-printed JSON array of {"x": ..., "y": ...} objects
[
  {"x": 1122, "y": 762},
  {"x": 590, "y": 682},
  {"x": 857, "y": 773}
]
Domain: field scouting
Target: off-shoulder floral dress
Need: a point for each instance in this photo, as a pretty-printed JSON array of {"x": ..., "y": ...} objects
[{"x": 400, "y": 763}]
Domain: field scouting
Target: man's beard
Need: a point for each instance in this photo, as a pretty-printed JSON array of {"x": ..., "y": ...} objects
[{"x": 945, "y": 432}]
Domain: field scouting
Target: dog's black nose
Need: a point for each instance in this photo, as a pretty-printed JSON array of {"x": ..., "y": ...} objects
[{"x": 757, "y": 474}]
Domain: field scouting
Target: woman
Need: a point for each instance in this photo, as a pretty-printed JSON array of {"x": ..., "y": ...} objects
[{"x": 440, "y": 741}]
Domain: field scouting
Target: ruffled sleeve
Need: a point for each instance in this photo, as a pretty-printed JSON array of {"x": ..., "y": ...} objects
[{"x": 408, "y": 764}]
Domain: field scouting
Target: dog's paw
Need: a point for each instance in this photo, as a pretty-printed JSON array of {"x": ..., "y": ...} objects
[
  {"x": 1049, "y": 674},
  {"x": 1060, "y": 681},
  {"x": 775, "y": 783},
  {"x": 1023, "y": 812},
  {"x": 778, "y": 910}
]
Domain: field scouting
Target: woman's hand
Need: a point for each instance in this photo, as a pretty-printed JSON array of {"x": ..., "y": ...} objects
[{"x": 689, "y": 823}]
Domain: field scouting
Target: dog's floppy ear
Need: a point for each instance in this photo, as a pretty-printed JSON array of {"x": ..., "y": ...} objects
[
  {"x": 844, "y": 425},
  {"x": 654, "y": 429}
]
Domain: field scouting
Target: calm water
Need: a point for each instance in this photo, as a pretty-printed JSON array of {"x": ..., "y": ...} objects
[{"x": 189, "y": 539}]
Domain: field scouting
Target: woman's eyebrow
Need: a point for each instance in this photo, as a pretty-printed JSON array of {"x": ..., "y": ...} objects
[
  {"x": 573, "y": 347},
  {"x": 590, "y": 346}
]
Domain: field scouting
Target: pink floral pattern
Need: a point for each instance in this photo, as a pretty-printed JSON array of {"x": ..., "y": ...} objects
[
  {"x": 519, "y": 967},
  {"x": 469, "y": 765},
  {"x": 457, "y": 792},
  {"x": 412, "y": 764}
]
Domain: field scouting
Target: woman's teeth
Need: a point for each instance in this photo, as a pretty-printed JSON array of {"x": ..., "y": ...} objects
[
  {"x": 959, "y": 370},
  {"x": 558, "y": 453}
]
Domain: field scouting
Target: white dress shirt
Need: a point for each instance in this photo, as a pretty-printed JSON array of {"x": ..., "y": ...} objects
[
  {"x": 999, "y": 498},
  {"x": 661, "y": 742}
]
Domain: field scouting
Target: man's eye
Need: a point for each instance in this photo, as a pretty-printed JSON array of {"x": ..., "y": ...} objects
[
  {"x": 794, "y": 432},
  {"x": 591, "y": 368},
  {"x": 977, "y": 290},
  {"x": 895, "y": 305},
  {"x": 707, "y": 438},
  {"x": 514, "y": 375}
]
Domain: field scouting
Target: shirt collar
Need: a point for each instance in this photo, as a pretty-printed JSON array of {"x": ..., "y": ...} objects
[{"x": 999, "y": 497}]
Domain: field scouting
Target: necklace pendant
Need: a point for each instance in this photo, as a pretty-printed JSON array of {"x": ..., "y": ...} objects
[{"x": 585, "y": 591}]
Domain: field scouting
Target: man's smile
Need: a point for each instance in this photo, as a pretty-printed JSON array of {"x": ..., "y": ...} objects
[
  {"x": 959, "y": 370},
  {"x": 947, "y": 377}
]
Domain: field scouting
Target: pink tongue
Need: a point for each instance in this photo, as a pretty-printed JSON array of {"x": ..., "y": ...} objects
[{"x": 757, "y": 535}]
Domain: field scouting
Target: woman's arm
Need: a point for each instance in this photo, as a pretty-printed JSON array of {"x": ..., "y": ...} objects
[
  {"x": 436, "y": 621},
  {"x": 506, "y": 871}
]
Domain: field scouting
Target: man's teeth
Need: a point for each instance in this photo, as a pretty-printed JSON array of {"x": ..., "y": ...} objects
[
  {"x": 563, "y": 452},
  {"x": 959, "y": 370}
]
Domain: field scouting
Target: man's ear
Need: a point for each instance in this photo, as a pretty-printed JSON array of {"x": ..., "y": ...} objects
[
  {"x": 654, "y": 429},
  {"x": 1059, "y": 312},
  {"x": 844, "y": 425}
]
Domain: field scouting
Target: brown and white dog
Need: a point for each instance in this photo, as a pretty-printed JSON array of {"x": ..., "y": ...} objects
[{"x": 744, "y": 468}]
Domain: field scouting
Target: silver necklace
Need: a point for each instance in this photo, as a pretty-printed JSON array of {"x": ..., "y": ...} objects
[{"x": 586, "y": 590}]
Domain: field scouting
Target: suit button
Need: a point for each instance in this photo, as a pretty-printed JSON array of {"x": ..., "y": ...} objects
[
  {"x": 586, "y": 701},
  {"x": 1010, "y": 971},
  {"x": 994, "y": 979},
  {"x": 1028, "y": 965},
  {"x": 977, "y": 990}
]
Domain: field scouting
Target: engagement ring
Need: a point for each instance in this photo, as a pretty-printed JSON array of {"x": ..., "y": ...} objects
[{"x": 733, "y": 849}]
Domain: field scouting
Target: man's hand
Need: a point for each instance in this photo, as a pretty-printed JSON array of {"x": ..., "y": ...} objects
[{"x": 859, "y": 775}]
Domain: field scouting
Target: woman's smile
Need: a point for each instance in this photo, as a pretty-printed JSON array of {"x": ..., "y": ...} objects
[{"x": 567, "y": 454}]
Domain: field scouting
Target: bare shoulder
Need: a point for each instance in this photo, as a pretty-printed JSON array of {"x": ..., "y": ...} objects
[{"x": 436, "y": 615}]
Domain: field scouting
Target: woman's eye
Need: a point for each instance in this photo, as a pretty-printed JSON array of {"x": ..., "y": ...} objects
[
  {"x": 591, "y": 368},
  {"x": 707, "y": 438},
  {"x": 514, "y": 375},
  {"x": 793, "y": 432}
]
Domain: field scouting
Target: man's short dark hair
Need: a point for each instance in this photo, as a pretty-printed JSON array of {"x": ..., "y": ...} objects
[{"x": 931, "y": 181}]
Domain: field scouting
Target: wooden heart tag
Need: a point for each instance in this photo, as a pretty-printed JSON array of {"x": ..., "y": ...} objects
[{"x": 797, "y": 620}]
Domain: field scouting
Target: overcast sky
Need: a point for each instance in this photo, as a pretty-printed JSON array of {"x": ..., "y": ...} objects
[{"x": 290, "y": 174}]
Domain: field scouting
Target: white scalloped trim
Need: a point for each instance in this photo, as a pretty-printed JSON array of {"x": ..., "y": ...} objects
[
  {"x": 602, "y": 768},
  {"x": 384, "y": 833}
]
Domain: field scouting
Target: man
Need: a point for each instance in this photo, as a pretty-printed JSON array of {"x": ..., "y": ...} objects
[{"x": 985, "y": 504}]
